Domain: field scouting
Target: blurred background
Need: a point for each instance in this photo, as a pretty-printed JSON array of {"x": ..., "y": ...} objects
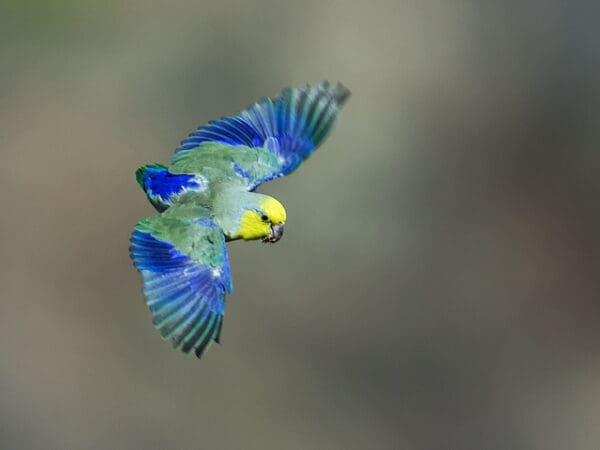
[{"x": 437, "y": 286}]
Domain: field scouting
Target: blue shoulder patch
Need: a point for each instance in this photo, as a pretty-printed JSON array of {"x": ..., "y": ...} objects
[{"x": 162, "y": 187}]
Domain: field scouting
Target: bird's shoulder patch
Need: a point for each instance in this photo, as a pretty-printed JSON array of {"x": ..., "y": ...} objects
[{"x": 164, "y": 188}]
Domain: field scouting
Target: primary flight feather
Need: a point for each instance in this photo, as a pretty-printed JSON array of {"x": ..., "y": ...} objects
[{"x": 207, "y": 197}]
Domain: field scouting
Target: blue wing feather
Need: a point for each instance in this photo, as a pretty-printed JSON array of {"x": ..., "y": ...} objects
[
  {"x": 299, "y": 120},
  {"x": 186, "y": 298}
]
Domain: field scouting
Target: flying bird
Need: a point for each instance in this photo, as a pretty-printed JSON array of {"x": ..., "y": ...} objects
[{"x": 207, "y": 197}]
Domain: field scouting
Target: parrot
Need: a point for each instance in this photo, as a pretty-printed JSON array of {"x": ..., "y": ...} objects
[{"x": 207, "y": 197}]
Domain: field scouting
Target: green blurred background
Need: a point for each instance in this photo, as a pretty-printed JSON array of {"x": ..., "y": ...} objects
[{"x": 437, "y": 286}]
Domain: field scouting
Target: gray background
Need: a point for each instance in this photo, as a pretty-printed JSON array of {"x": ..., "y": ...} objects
[{"x": 437, "y": 285}]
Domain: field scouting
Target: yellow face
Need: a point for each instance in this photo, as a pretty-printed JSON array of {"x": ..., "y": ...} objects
[{"x": 266, "y": 224}]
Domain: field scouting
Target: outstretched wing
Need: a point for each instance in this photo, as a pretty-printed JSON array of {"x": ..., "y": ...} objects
[
  {"x": 290, "y": 127},
  {"x": 186, "y": 274}
]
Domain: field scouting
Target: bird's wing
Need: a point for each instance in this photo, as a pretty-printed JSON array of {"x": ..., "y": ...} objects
[
  {"x": 290, "y": 127},
  {"x": 185, "y": 269}
]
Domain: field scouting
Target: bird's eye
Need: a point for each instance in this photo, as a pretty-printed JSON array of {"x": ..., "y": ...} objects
[{"x": 264, "y": 218}]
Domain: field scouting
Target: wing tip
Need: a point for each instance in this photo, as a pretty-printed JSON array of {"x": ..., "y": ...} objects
[
  {"x": 340, "y": 93},
  {"x": 337, "y": 90}
]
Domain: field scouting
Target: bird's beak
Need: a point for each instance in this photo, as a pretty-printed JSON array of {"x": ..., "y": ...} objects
[{"x": 275, "y": 233}]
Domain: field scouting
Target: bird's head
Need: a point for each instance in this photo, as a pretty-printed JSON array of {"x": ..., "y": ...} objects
[{"x": 263, "y": 219}]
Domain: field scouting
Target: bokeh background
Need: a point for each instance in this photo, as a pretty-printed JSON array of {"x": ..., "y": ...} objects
[{"x": 437, "y": 286}]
